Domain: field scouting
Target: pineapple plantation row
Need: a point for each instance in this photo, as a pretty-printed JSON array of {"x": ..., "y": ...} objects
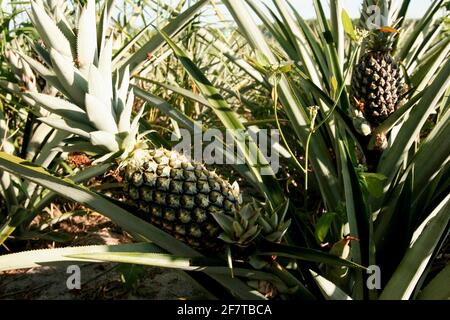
[{"x": 96, "y": 95}]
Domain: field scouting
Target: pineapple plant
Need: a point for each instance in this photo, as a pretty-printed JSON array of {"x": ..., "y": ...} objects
[
  {"x": 397, "y": 210},
  {"x": 180, "y": 196},
  {"x": 377, "y": 81}
]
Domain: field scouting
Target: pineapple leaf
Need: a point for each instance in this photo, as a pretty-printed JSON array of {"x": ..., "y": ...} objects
[
  {"x": 105, "y": 18},
  {"x": 329, "y": 289},
  {"x": 49, "y": 31},
  {"x": 167, "y": 108},
  {"x": 69, "y": 126},
  {"x": 134, "y": 128},
  {"x": 414, "y": 263},
  {"x": 438, "y": 288},
  {"x": 86, "y": 147},
  {"x": 374, "y": 183},
  {"x": 100, "y": 88},
  {"x": 43, "y": 53},
  {"x": 238, "y": 230},
  {"x": 348, "y": 25},
  {"x": 264, "y": 224},
  {"x": 99, "y": 114},
  {"x": 87, "y": 40},
  {"x": 71, "y": 79},
  {"x": 157, "y": 41},
  {"x": 267, "y": 248},
  {"x": 273, "y": 220},
  {"x": 247, "y": 211},
  {"x": 224, "y": 237},
  {"x": 35, "y": 258},
  {"x": 274, "y": 236},
  {"x": 105, "y": 139},
  {"x": 124, "y": 101},
  {"x": 250, "y": 234},
  {"x": 181, "y": 91},
  {"x": 124, "y": 85},
  {"x": 105, "y": 68},
  {"x": 125, "y": 115},
  {"x": 66, "y": 29},
  {"x": 323, "y": 226},
  {"x": 225, "y": 222},
  {"x": 230, "y": 261},
  {"x": 47, "y": 74},
  {"x": 59, "y": 106},
  {"x": 119, "y": 56}
]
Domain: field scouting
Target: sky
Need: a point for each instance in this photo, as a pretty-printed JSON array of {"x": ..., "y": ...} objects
[
  {"x": 416, "y": 9},
  {"x": 305, "y": 8}
]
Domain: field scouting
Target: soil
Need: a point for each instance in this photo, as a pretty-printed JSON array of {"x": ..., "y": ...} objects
[
  {"x": 101, "y": 282},
  {"x": 98, "y": 281}
]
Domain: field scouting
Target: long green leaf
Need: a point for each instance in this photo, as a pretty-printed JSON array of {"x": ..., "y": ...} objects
[
  {"x": 329, "y": 289},
  {"x": 36, "y": 258},
  {"x": 157, "y": 41},
  {"x": 425, "y": 238},
  {"x": 438, "y": 288},
  {"x": 274, "y": 249}
]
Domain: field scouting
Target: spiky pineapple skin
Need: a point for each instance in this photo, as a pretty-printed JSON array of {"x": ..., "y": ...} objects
[
  {"x": 179, "y": 196},
  {"x": 376, "y": 86}
]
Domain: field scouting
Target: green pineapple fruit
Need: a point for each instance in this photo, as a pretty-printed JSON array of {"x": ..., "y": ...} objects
[
  {"x": 179, "y": 196},
  {"x": 182, "y": 197},
  {"x": 377, "y": 81}
]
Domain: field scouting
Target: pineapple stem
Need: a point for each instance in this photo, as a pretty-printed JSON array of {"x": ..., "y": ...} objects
[
  {"x": 313, "y": 128},
  {"x": 341, "y": 90},
  {"x": 277, "y": 121}
]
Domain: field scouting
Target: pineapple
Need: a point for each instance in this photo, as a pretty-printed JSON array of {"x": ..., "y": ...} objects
[
  {"x": 181, "y": 197},
  {"x": 377, "y": 81}
]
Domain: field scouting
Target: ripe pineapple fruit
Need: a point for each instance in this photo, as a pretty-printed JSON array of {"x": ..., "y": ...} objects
[
  {"x": 180, "y": 196},
  {"x": 377, "y": 81}
]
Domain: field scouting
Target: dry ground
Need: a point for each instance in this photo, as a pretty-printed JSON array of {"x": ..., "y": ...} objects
[{"x": 98, "y": 281}]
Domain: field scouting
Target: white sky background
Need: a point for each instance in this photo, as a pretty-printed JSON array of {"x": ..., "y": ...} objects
[{"x": 305, "y": 7}]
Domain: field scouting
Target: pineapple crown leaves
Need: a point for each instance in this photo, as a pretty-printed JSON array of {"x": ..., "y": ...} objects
[
  {"x": 273, "y": 223},
  {"x": 382, "y": 38},
  {"x": 380, "y": 17},
  {"x": 378, "y": 13},
  {"x": 241, "y": 229},
  {"x": 251, "y": 221},
  {"x": 97, "y": 110}
]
